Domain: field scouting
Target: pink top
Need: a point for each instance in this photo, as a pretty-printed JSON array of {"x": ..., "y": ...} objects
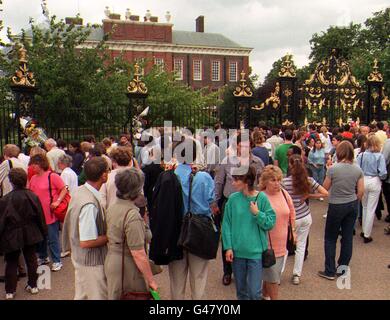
[
  {"x": 284, "y": 211},
  {"x": 40, "y": 186}
]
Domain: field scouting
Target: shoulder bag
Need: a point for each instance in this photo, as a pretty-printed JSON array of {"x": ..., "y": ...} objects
[
  {"x": 60, "y": 211},
  {"x": 198, "y": 234},
  {"x": 291, "y": 246},
  {"x": 130, "y": 295},
  {"x": 268, "y": 258}
]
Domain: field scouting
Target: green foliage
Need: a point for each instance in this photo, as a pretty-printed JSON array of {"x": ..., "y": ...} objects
[
  {"x": 360, "y": 45},
  {"x": 81, "y": 88}
]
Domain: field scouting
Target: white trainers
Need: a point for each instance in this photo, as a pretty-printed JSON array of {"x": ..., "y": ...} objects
[
  {"x": 295, "y": 280},
  {"x": 325, "y": 215},
  {"x": 9, "y": 296},
  {"x": 65, "y": 254},
  {"x": 321, "y": 199},
  {"x": 31, "y": 290},
  {"x": 56, "y": 266},
  {"x": 43, "y": 261}
]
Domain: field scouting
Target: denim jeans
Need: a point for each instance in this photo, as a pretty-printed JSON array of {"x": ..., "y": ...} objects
[
  {"x": 248, "y": 277},
  {"x": 318, "y": 173},
  {"x": 53, "y": 241},
  {"x": 340, "y": 216}
]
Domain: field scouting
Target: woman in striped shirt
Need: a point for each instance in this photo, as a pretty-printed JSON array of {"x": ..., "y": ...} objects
[{"x": 301, "y": 187}]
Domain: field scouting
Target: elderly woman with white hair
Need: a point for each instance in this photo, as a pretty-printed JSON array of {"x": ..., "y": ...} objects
[
  {"x": 127, "y": 237},
  {"x": 68, "y": 175}
]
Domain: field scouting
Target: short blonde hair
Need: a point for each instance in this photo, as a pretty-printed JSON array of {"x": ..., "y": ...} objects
[
  {"x": 270, "y": 172},
  {"x": 373, "y": 143}
]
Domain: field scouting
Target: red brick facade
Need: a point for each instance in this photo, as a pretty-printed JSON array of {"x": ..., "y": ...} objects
[{"x": 147, "y": 40}]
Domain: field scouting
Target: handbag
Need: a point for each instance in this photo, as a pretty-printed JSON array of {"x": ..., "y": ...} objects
[
  {"x": 130, "y": 295},
  {"x": 199, "y": 234},
  {"x": 290, "y": 246},
  {"x": 60, "y": 211},
  {"x": 268, "y": 258}
]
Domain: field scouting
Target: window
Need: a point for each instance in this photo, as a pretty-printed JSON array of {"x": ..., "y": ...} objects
[
  {"x": 178, "y": 69},
  {"x": 197, "y": 70},
  {"x": 216, "y": 71},
  {"x": 159, "y": 62},
  {"x": 233, "y": 71}
]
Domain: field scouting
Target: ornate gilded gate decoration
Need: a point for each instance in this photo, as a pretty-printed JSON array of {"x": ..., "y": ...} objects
[
  {"x": 332, "y": 92},
  {"x": 331, "y": 96}
]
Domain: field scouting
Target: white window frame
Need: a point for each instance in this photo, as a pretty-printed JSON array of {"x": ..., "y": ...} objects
[
  {"x": 231, "y": 79},
  {"x": 159, "y": 62},
  {"x": 217, "y": 71},
  {"x": 179, "y": 72},
  {"x": 199, "y": 74}
]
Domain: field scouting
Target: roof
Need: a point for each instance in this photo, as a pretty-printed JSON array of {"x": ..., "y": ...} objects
[
  {"x": 178, "y": 37},
  {"x": 202, "y": 39}
]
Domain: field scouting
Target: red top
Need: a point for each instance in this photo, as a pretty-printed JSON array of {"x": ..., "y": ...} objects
[{"x": 40, "y": 186}]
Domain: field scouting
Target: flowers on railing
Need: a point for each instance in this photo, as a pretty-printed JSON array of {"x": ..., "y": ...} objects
[{"x": 34, "y": 136}]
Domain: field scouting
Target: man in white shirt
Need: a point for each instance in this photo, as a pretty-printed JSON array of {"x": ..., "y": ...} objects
[
  {"x": 53, "y": 154},
  {"x": 275, "y": 141},
  {"x": 211, "y": 155},
  {"x": 85, "y": 233}
]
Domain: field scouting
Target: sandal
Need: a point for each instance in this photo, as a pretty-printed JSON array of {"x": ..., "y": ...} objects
[{"x": 387, "y": 230}]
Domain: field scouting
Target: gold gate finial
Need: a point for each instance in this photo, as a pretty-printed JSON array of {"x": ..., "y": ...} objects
[
  {"x": 375, "y": 75},
  {"x": 23, "y": 76},
  {"x": 137, "y": 85},
  {"x": 243, "y": 90},
  {"x": 287, "y": 69}
]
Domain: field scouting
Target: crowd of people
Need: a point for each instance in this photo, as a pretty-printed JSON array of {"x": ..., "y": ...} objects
[{"x": 128, "y": 198}]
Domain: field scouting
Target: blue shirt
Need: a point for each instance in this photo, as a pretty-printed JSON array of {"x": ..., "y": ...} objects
[
  {"x": 203, "y": 190},
  {"x": 317, "y": 157},
  {"x": 373, "y": 164}
]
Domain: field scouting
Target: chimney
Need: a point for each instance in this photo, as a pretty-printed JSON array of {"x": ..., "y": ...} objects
[{"x": 200, "y": 24}]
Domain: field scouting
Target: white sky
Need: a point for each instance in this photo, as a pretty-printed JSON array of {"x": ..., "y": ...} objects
[{"x": 271, "y": 27}]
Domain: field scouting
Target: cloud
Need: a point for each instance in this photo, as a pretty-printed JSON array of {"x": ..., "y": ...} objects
[{"x": 271, "y": 27}]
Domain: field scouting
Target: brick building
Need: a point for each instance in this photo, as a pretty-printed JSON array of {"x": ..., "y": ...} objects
[{"x": 199, "y": 59}]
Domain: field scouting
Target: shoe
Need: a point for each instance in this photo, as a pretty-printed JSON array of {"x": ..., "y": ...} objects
[
  {"x": 387, "y": 219},
  {"x": 321, "y": 199},
  {"x": 367, "y": 239},
  {"x": 322, "y": 274},
  {"x": 379, "y": 216},
  {"x": 362, "y": 234},
  {"x": 31, "y": 290},
  {"x": 56, "y": 266},
  {"x": 265, "y": 298},
  {"x": 9, "y": 296},
  {"x": 227, "y": 279},
  {"x": 2, "y": 278},
  {"x": 387, "y": 230},
  {"x": 65, "y": 254},
  {"x": 354, "y": 232},
  {"x": 325, "y": 215},
  {"x": 43, "y": 261},
  {"x": 295, "y": 280}
]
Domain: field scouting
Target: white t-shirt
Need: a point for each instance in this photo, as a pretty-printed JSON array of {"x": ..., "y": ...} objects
[{"x": 70, "y": 179}]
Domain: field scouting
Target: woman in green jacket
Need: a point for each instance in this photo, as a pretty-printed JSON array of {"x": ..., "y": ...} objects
[{"x": 248, "y": 217}]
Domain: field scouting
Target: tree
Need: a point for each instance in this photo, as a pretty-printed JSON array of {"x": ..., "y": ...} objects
[{"x": 83, "y": 88}]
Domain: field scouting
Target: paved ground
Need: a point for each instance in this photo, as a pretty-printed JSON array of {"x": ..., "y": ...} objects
[{"x": 370, "y": 277}]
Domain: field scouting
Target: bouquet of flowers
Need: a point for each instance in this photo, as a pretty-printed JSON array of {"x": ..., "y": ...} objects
[{"x": 34, "y": 136}]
